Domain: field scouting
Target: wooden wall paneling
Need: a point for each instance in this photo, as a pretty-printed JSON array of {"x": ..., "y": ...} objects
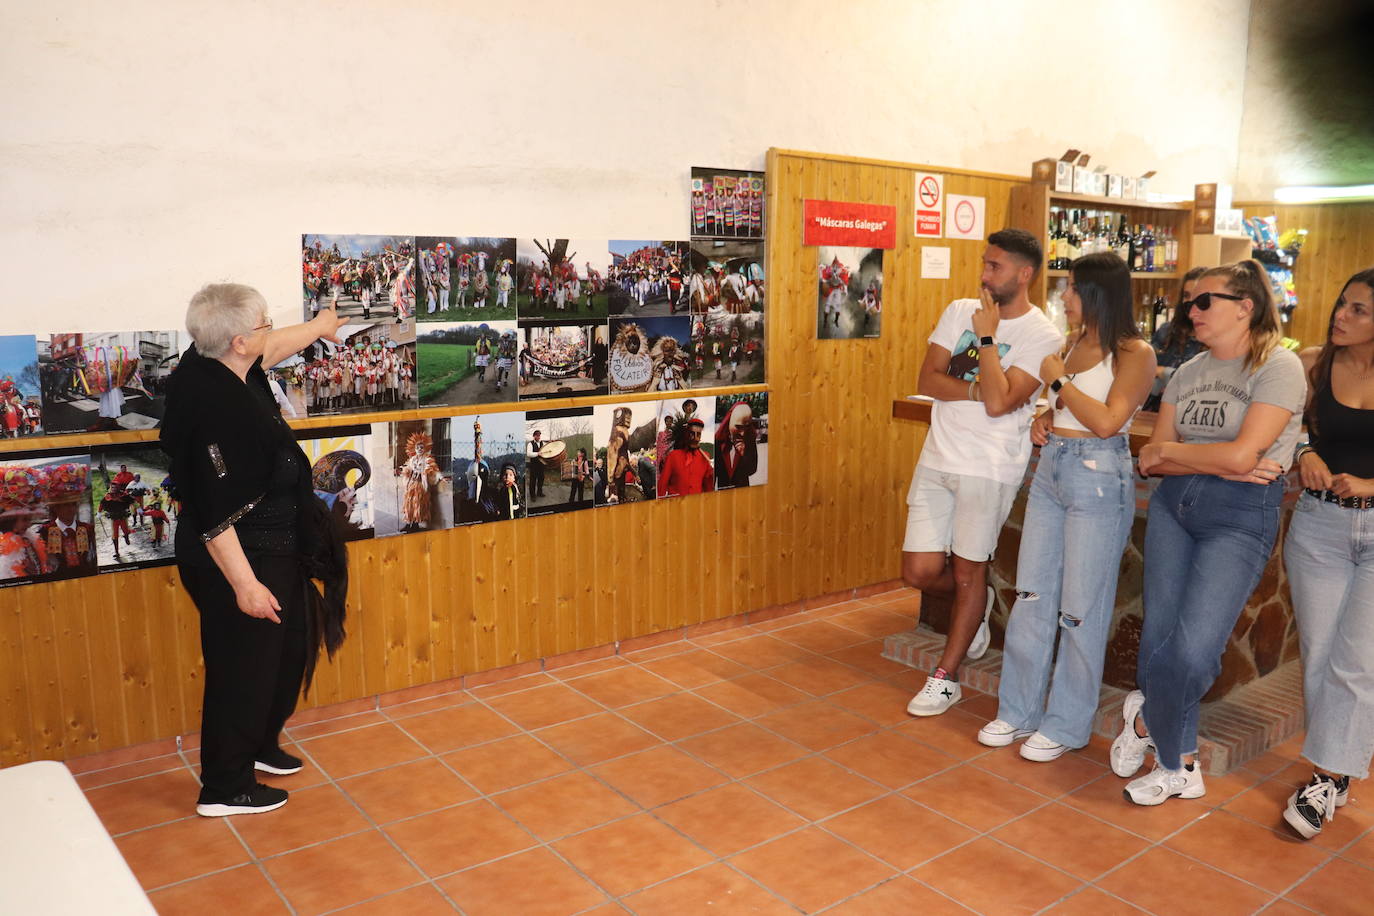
[
  {"x": 464, "y": 612},
  {"x": 41, "y": 630},
  {"x": 71, "y": 647},
  {"x": 135, "y": 656},
  {"x": 16, "y": 729},
  {"x": 101, "y": 635},
  {"x": 370, "y": 609}
]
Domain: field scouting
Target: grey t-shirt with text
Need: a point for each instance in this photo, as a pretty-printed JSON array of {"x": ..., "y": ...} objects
[{"x": 1210, "y": 398}]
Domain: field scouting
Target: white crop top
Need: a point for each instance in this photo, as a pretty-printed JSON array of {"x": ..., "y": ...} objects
[{"x": 1095, "y": 383}]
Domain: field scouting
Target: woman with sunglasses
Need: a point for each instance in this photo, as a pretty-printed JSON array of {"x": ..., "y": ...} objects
[
  {"x": 1226, "y": 430},
  {"x": 246, "y": 496},
  {"x": 1174, "y": 340},
  {"x": 1329, "y": 554},
  {"x": 1078, "y": 516}
]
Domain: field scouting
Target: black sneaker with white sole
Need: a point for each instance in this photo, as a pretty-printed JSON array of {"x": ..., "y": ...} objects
[
  {"x": 261, "y": 798},
  {"x": 278, "y": 763},
  {"x": 1315, "y": 803}
]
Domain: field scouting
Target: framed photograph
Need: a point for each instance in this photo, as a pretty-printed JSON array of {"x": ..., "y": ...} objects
[
  {"x": 106, "y": 381},
  {"x": 560, "y": 470},
  {"x": 341, "y": 474},
  {"x": 562, "y": 279},
  {"x": 563, "y": 359},
  {"x": 412, "y": 476},
  {"x": 647, "y": 278},
  {"x": 461, "y": 364},
  {"x": 626, "y": 440},
  {"x": 366, "y": 277},
  {"x": 46, "y": 531},
  {"x": 741, "y": 440},
  {"x": 465, "y": 279},
  {"x": 135, "y": 512},
  {"x": 488, "y": 467},
  {"x": 849, "y": 298}
]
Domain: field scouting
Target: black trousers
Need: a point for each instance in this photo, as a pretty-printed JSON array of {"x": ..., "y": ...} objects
[{"x": 253, "y": 671}]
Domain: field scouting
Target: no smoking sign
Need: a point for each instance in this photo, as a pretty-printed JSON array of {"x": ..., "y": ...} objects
[{"x": 930, "y": 199}]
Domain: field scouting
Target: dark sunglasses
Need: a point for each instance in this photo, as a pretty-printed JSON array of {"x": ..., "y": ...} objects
[{"x": 1203, "y": 301}]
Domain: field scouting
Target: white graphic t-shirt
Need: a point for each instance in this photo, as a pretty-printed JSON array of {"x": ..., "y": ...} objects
[
  {"x": 1210, "y": 398},
  {"x": 963, "y": 439}
]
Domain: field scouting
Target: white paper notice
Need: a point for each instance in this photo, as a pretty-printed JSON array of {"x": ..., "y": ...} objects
[
  {"x": 965, "y": 216},
  {"x": 934, "y": 263}
]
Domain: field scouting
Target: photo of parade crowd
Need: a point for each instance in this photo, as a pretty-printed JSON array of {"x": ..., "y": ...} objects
[
  {"x": 488, "y": 468},
  {"x": 727, "y": 203},
  {"x": 647, "y": 278},
  {"x": 20, "y": 410},
  {"x": 649, "y": 354},
  {"x": 558, "y": 360},
  {"x": 460, "y": 364},
  {"x": 850, "y": 294},
  {"x": 340, "y": 474},
  {"x": 466, "y": 278},
  {"x": 360, "y": 275},
  {"x": 725, "y": 275},
  {"x": 105, "y": 381},
  {"x": 626, "y": 437},
  {"x": 561, "y": 279},
  {"x": 135, "y": 507},
  {"x": 371, "y": 369},
  {"x": 45, "y": 517},
  {"x": 559, "y": 465},
  {"x": 726, "y": 349}
]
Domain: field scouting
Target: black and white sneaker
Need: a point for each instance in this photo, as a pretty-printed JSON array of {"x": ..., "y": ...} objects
[
  {"x": 1316, "y": 803},
  {"x": 261, "y": 798},
  {"x": 278, "y": 763}
]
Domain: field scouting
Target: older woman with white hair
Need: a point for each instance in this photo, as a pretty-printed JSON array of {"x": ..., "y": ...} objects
[{"x": 245, "y": 490}]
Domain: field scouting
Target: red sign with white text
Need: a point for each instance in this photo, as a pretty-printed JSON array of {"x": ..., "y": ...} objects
[{"x": 835, "y": 222}]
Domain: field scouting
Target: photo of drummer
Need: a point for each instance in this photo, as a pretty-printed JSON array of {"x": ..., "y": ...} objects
[
  {"x": 626, "y": 437},
  {"x": 558, "y": 467}
]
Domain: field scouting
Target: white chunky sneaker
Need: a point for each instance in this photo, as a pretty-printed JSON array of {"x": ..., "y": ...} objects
[
  {"x": 935, "y": 697},
  {"x": 1041, "y": 749},
  {"x": 1128, "y": 750},
  {"x": 1000, "y": 733},
  {"x": 981, "y": 639},
  {"x": 1160, "y": 785}
]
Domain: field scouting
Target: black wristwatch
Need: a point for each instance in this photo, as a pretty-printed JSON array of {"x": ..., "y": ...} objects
[
  {"x": 986, "y": 341},
  {"x": 1059, "y": 383}
]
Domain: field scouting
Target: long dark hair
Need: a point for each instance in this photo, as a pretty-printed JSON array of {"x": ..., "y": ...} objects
[
  {"x": 1103, "y": 284},
  {"x": 1319, "y": 376},
  {"x": 1181, "y": 325}
]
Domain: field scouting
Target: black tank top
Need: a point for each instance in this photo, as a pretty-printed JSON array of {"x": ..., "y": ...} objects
[{"x": 1345, "y": 435}]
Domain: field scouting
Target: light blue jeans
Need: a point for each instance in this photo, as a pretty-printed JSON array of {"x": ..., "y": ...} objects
[
  {"x": 1078, "y": 516},
  {"x": 1330, "y": 558},
  {"x": 1206, "y": 544}
]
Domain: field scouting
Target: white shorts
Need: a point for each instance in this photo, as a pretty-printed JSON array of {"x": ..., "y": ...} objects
[
  {"x": 955, "y": 513},
  {"x": 482, "y": 360}
]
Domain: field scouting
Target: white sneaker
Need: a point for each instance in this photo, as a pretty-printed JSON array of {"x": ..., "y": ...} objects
[
  {"x": 1128, "y": 750},
  {"x": 1160, "y": 785},
  {"x": 1041, "y": 749},
  {"x": 981, "y": 639},
  {"x": 1000, "y": 733},
  {"x": 935, "y": 697}
]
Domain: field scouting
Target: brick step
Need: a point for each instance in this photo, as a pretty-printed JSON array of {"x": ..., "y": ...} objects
[{"x": 1241, "y": 726}]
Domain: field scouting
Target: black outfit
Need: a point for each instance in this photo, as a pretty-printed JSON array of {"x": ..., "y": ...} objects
[
  {"x": 536, "y": 469},
  {"x": 237, "y": 464},
  {"x": 1341, "y": 435}
]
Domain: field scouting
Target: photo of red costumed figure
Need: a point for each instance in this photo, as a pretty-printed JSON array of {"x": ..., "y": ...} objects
[
  {"x": 561, "y": 279},
  {"x": 741, "y": 440},
  {"x": 411, "y": 484},
  {"x": 725, "y": 276},
  {"x": 133, "y": 519},
  {"x": 684, "y": 448},
  {"x": 647, "y": 278},
  {"x": 45, "y": 517},
  {"x": 849, "y": 300},
  {"x": 20, "y": 414},
  {"x": 727, "y": 203}
]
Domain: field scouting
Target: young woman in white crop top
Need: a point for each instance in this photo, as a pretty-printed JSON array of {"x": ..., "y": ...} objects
[{"x": 1078, "y": 516}]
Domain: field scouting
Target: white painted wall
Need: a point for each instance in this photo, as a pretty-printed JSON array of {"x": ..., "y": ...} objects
[{"x": 150, "y": 146}]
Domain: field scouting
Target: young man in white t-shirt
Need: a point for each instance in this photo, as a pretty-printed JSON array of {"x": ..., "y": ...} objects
[{"x": 982, "y": 368}]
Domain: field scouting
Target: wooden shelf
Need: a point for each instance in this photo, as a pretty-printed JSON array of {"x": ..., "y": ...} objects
[
  {"x": 1135, "y": 274},
  {"x": 1133, "y": 204}
]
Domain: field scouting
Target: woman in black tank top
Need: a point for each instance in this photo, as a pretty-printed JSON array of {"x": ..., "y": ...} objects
[{"x": 1330, "y": 558}]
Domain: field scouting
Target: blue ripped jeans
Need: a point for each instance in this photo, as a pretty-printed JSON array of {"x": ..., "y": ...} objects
[
  {"x": 1078, "y": 516},
  {"x": 1206, "y": 544}
]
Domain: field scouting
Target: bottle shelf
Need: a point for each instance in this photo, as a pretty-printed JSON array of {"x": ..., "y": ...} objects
[
  {"x": 1135, "y": 274},
  {"x": 1056, "y": 198}
]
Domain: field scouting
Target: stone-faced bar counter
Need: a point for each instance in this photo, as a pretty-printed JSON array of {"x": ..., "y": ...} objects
[{"x": 1265, "y": 636}]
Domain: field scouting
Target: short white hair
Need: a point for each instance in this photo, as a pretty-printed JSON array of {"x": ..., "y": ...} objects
[{"x": 219, "y": 312}]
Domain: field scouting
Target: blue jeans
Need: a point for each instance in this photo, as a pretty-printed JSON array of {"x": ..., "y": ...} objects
[
  {"x": 1206, "y": 544},
  {"x": 1330, "y": 558},
  {"x": 1078, "y": 516}
]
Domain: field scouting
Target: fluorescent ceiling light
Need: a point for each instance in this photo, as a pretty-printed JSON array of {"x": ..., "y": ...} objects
[{"x": 1302, "y": 194}]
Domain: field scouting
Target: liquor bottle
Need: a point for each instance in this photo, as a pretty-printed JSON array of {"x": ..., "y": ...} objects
[
  {"x": 1075, "y": 239},
  {"x": 1123, "y": 241},
  {"x": 1056, "y": 233},
  {"x": 1137, "y": 250},
  {"x": 1173, "y": 251},
  {"x": 1149, "y": 264},
  {"x": 1161, "y": 305}
]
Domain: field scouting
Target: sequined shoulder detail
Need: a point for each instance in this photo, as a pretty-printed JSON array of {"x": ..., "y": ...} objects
[{"x": 229, "y": 522}]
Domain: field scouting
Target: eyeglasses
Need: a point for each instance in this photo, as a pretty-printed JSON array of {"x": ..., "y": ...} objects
[
  {"x": 266, "y": 326},
  {"x": 1203, "y": 301}
]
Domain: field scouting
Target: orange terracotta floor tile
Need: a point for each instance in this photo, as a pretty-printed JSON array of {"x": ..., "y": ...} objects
[
  {"x": 532, "y": 883},
  {"x": 767, "y": 769}
]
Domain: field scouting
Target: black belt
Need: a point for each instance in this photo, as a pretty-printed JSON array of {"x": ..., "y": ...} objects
[{"x": 1345, "y": 502}]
